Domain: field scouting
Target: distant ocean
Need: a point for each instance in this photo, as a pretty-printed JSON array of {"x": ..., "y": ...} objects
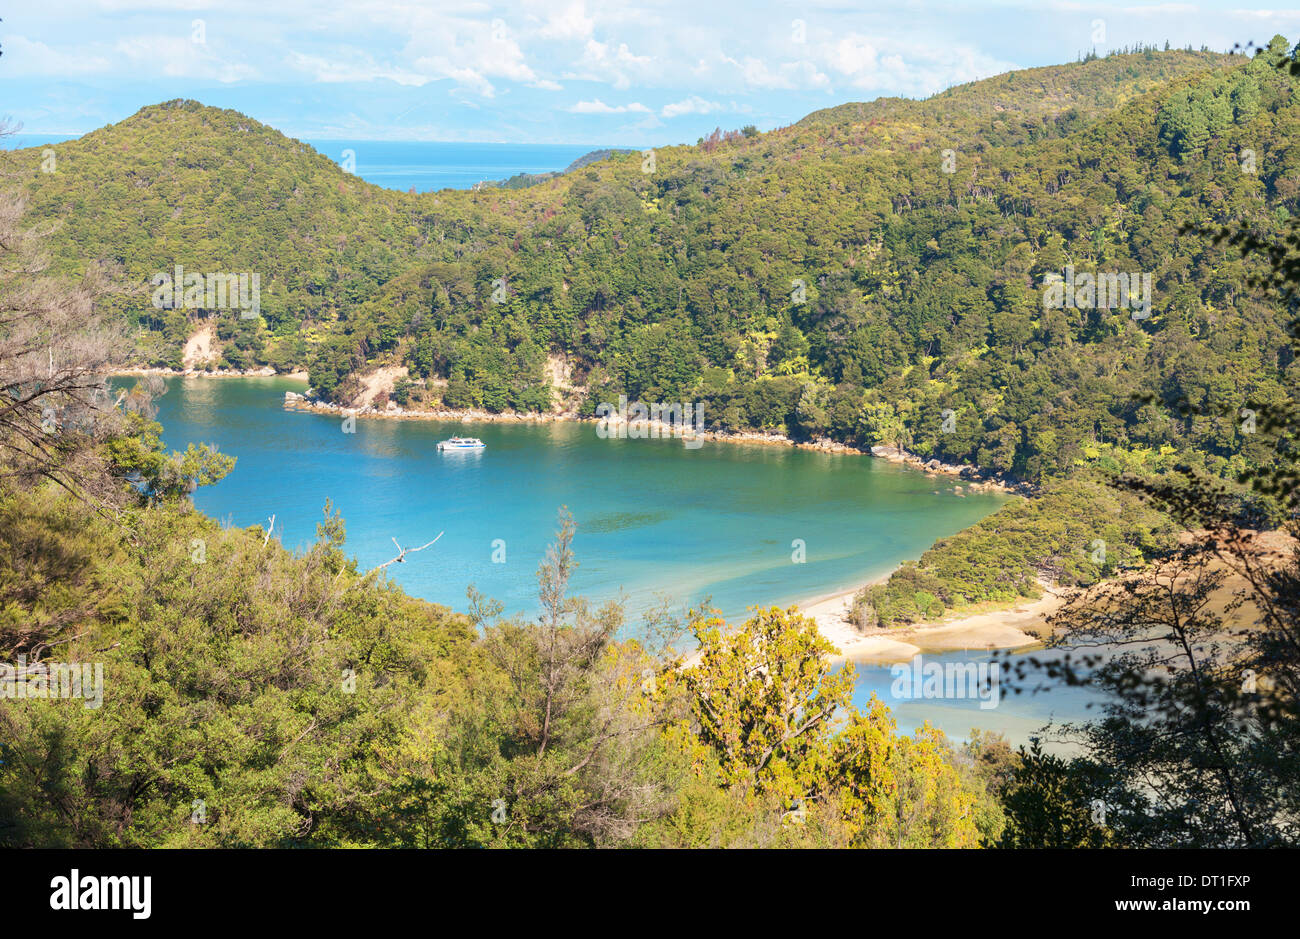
[{"x": 402, "y": 164}]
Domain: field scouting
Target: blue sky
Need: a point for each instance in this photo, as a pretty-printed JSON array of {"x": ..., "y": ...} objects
[{"x": 551, "y": 71}]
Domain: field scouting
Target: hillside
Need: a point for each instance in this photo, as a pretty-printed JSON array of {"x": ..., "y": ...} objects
[
  {"x": 831, "y": 278},
  {"x": 878, "y": 273},
  {"x": 1014, "y": 106}
]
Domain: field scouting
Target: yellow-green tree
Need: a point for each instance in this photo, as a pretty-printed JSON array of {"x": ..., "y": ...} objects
[
  {"x": 772, "y": 721},
  {"x": 764, "y": 697}
]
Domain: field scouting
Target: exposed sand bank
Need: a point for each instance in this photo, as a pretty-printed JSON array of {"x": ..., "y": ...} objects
[
  {"x": 1026, "y": 622},
  {"x": 986, "y": 629}
]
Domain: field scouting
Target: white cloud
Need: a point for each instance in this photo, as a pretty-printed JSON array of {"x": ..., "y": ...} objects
[
  {"x": 889, "y": 66},
  {"x": 597, "y": 106},
  {"x": 692, "y": 105},
  {"x": 334, "y": 70},
  {"x": 570, "y": 23},
  {"x": 1269, "y": 14},
  {"x": 852, "y": 55},
  {"x": 1163, "y": 9},
  {"x": 179, "y": 57},
  {"x": 601, "y": 61},
  {"x": 787, "y": 76},
  {"x": 465, "y": 77},
  {"x": 23, "y": 56},
  {"x": 470, "y": 52},
  {"x": 522, "y": 60}
]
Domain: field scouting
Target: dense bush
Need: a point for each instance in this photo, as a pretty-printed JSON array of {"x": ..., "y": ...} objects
[
  {"x": 1074, "y": 534},
  {"x": 828, "y": 278}
]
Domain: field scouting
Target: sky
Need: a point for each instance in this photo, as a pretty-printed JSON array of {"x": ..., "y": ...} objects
[{"x": 646, "y": 72}]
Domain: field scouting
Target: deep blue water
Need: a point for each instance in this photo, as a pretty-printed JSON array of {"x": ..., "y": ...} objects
[
  {"x": 432, "y": 166},
  {"x": 424, "y": 166}
]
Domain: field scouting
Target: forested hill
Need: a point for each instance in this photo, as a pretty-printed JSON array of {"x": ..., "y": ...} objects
[
  {"x": 1024, "y": 104},
  {"x": 856, "y": 275}
]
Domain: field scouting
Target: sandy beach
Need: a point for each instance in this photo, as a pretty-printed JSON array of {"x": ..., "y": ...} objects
[{"x": 996, "y": 629}]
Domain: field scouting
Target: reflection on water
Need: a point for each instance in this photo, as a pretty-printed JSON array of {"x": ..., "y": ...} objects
[
  {"x": 655, "y": 519},
  {"x": 1017, "y": 715}
]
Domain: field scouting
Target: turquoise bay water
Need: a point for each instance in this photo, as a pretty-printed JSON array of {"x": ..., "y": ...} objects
[
  {"x": 655, "y": 519},
  {"x": 1018, "y": 716}
]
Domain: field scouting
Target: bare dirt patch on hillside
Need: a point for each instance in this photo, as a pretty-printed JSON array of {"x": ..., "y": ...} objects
[
  {"x": 381, "y": 380},
  {"x": 201, "y": 348},
  {"x": 565, "y": 395}
]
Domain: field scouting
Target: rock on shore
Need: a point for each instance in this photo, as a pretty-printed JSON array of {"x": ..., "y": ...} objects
[{"x": 976, "y": 480}]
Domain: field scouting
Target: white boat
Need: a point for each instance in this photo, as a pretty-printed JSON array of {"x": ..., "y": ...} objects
[{"x": 462, "y": 443}]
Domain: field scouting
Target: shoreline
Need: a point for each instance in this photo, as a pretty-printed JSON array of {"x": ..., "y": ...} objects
[
  {"x": 266, "y": 371},
  {"x": 987, "y": 629},
  {"x": 973, "y": 477},
  {"x": 982, "y": 629},
  {"x": 969, "y": 475},
  {"x": 654, "y": 429}
]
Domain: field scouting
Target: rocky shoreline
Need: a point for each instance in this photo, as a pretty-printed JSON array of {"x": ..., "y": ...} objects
[
  {"x": 976, "y": 480},
  {"x": 265, "y": 371},
  {"x": 980, "y": 480}
]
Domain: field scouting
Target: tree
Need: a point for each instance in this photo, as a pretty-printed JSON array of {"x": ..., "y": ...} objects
[
  {"x": 1200, "y": 743},
  {"x": 764, "y": 698},
  {"x": 576, "y": 723},
  {"x": 766, "y": 703},
  {"x": 56, "y": 350}
]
